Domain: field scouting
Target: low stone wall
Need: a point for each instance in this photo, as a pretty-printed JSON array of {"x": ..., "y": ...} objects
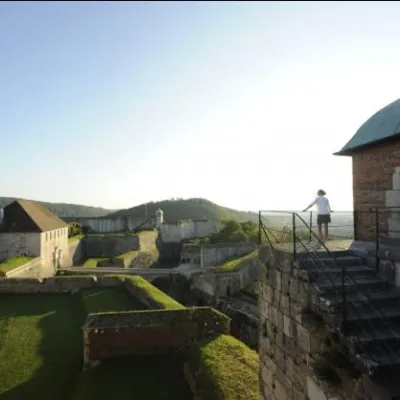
[
  {"x": 115, "y": 335},
  {"x": 149, "y": 295},
  {"x": 212, "y": 254},
  {"x": 24, "y": 269},
  {"x": 142, "y": 290}
]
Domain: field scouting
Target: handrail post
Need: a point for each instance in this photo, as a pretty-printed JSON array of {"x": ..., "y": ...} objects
[
  {"x": 377, "y": 259},
  {"x": 294, "y": 235},
  {"x": 310, "y": 227},
  {"x": 344, "y": 305},
  {"x": 355, "y": 220}
]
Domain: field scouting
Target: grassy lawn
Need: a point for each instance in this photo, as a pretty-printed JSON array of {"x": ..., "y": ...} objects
[
  {"x": 236, "y": 263},
  {"x": 41, "y": 352},
  {"x": 92, "y": 262},
  {"x": 156, "y": 294},
  {"x": 40, "y": 348},
  {"x": 228, "y": 369},
  {"x": 129, "y": 254},
  {"x": 13, "y": 263},
  {"x": 75, "y": 238},
  {"x": 108, "y": 300}
]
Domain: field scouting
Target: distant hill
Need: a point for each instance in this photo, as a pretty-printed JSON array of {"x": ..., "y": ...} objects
[
  {"x": 193, "y": 209},
  {"x": 64, "y": 209}
]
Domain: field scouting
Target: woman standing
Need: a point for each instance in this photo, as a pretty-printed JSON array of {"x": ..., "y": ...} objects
[{"x": 324, "y": 213}]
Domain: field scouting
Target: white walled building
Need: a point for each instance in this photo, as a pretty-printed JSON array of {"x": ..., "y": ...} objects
[{"x": 28, "y": 228}]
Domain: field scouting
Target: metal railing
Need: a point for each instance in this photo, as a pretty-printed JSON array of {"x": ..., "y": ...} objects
[{"x": 294, "y": 237}]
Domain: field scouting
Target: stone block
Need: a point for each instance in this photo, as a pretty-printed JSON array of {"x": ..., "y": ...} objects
[
  {"x": 269, "y": 294},
  {"x": 293, "y": 287},
  {"x": 298, "y": 394},
  {"x": 280, "y": 339},
  {"x": 281, "y": 392},
  {"x": 289, "y": 327},
  {"x": 276, "y": 298},
  {"x": 296, "y": 309},
  {"x": 303, "y": 338},
  {"x": 279, "y": 357},
  {"x": 273, "y": 314},
  {"x": 280, "y": 320},
  {"x": 285, "y": 304},
  {"x": 285, "y": 282}
]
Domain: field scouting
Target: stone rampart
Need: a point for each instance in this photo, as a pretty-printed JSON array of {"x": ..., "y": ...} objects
[{"x": 126, "y": 334}]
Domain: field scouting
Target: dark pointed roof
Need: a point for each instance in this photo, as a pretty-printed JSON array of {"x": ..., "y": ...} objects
[
  {"x": 29, "y": 217},
  {"x": 383, "y": 125}
]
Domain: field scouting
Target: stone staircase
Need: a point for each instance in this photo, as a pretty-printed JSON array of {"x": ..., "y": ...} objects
[{"x": 371, "y": 330}]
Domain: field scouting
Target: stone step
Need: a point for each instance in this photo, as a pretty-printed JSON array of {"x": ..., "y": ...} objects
[
  {"x": 329, "y": 262},
  {"x": 322, "y": 253},
  {"x": 364, "y": 284},
  {"x": 333, "y": 302},
  {"x": 354, "y": 271},
  {"x": 375, "y": 341},
  {"x": 378, "y": 363},
  {"x": 370, "y": 319}
]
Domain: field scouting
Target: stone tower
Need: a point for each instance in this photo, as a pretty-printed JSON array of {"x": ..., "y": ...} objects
[{"x": 159, "y": 218}]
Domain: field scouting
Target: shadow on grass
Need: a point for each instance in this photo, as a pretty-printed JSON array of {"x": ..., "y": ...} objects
[
  {"x": 41, "y": 354},
  {"x": 41, "y": 357}
]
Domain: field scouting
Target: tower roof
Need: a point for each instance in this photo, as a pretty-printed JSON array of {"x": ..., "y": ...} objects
[{"x": 383, "y": 125}]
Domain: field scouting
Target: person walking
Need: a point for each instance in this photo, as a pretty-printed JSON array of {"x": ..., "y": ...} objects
[{"x": 324, "y": 213}]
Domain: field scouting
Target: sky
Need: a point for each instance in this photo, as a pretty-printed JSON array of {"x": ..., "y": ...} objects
[{"x": 113, "y": 104}]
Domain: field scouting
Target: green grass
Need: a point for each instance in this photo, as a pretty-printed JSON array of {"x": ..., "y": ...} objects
[
  {"x": 40, "y": 348},
  {"x": 109, "y": 300},
  {"x": 92, "y": 262},
  {"x": 157, "y": 295},
  {"x": 227, "y": 369},
  {"x": 75, "y": 238},
  {"x": 237, "y": 263},
  {"x": 128, "y": 254},
  {"x": 41, "y": 352},
  {"x": 12, "y": 263}
]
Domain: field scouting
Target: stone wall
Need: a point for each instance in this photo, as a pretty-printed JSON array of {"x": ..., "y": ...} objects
[
  {"x": 76, "y": 253},
  {"x": 289, "y": 338},
  {"x": 222, "y": 284},
  {"x": 115, "y": 335},
  {"x": 111, "y": 225},
  {"x": 175, "y": 233},
  {"x": 212, "y": 254},
  {"x": 15, "y": 244},
  {"x": 376, "y": 183},
  {"x": 30, "y": 269},
  {"x": 109, "y": 246}
]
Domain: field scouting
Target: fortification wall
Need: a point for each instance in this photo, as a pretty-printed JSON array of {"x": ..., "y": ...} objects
[
  {"x": 108, "y": 336},
  {"x": 75, "y": 253},
  {"x": 175, "y": 233},
  {"x": 290, "y": 338},
  {"x": 213, "y": 254},
  {"x": 109, "y": 246},
  {"x": 111, "y": 224}
]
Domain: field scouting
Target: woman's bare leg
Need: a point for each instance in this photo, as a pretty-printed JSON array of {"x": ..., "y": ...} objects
[
  {"x": 326, "y": 231},
  {"x": 320, "y": 232}
]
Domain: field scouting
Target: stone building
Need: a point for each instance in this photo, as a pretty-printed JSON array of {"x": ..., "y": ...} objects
[
  {"x": 375, "y": 152},
  {"x": 30, "y": 229},
  {"x": 329, "y": 317}
]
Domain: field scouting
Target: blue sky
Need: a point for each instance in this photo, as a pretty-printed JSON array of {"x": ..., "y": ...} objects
[{"x": 114, "y": 104}]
